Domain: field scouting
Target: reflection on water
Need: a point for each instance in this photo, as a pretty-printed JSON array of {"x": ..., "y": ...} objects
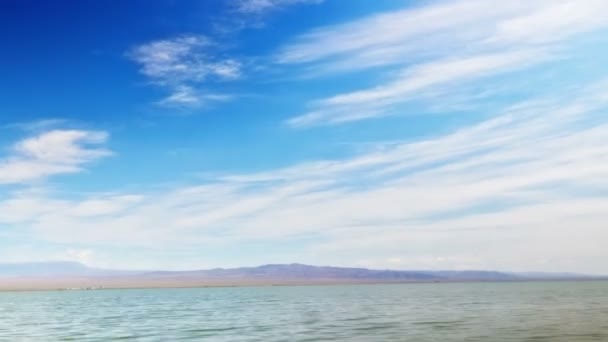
[{"x": 556, "y": 311}]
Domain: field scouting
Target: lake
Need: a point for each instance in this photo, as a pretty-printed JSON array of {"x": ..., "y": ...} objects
[{"x": 535, "y": 311}]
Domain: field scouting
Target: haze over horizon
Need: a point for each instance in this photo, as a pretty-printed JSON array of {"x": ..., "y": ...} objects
[{"x": 410, "y": 135}]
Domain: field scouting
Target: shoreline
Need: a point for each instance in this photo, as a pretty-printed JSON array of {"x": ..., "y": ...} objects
[{"x": 25, "y": 285}]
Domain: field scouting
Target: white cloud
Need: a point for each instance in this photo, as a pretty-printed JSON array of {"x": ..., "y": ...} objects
[
  {"x": 260, "y": 6},
  {"x": 453, "y": 42},
  {"x": 553, "y": 22},
  {"x": 37, "y": 253},
  {"x": 441, "y": 28},
  {"x": 186, "y": 96},
  {"x": 38, "y": 125},
  {"x": 183, "y": 95},
  {"x": 182, "y": 65},
  {"x": 392, "y": 34},
  {"x": 51, "y": 153},
  {"x": 412, "y": 81},
  {"x": 101, "y": 206},
  {"x": 525, "y": 190},
  {"x": 84, "y": 256}
]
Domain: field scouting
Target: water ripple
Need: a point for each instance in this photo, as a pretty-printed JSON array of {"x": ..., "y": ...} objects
[{"x": 559, "y": 311}]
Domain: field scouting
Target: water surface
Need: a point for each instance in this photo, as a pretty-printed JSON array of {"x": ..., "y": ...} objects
[{"x": 548, "y": 311}]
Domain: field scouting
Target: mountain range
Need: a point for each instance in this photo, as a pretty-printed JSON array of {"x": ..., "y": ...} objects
[{"x": 54, "y": 275}]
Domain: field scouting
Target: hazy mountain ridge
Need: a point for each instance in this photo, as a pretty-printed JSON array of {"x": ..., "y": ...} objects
[
  {"x": 300, "y": 271},
  {"x": 297, "y": 272}
]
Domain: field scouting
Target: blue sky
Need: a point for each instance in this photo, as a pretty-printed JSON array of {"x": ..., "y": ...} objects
[{"x": 389, "y": 134}]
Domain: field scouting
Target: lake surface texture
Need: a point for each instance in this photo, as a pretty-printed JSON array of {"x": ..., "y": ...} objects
[{"x": 548, "y": 311}]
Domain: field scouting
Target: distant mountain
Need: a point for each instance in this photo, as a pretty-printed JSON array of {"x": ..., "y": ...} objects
[
  {"x": 300, "y": 272},
  {"x": 303, "y": 272},
  {"x": 73, "y": 274}
]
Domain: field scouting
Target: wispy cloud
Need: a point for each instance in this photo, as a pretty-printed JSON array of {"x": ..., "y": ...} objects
[
  {"x": 187, "y": 96},
  {"x": 188, "y": 65},
  {"x": 261, "y": 6},
  {"x": 522, "y": 178},
  {"x": 242, "y": 14},
  {"x": 434, "y": 45},
  {"x": 38, "y": 125},
  {"x": 443, "y": 28},
  {"x": 51, "y": 153},
  {"x": 183, "y": 65},
  {"x": 411, "y": 83}
]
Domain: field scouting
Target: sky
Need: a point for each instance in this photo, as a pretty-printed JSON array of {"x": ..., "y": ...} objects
[{"x": 418, "y": 134}]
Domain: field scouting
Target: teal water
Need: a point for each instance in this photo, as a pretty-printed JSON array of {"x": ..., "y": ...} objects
[{"x": 551, "y": 311}]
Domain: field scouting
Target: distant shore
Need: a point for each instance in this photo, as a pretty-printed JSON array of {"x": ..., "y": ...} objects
[
  {"x": 42, "y": 284},
  {"x": 76, "y": 276},
  {"x": 84, "y": 284}
]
